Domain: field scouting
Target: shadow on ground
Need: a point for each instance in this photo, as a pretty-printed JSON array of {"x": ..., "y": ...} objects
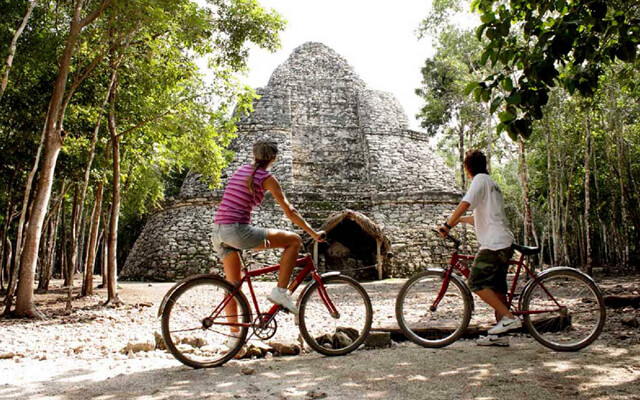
[{"x": 461, "y": 371}]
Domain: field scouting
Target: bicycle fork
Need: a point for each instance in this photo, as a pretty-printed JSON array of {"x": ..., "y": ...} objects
[{"x": 443, "y": 290}]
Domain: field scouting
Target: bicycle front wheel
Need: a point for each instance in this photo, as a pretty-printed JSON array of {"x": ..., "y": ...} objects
[
  {"x": 335, "y": 335},
  {"x": 571, "y": 318},
  {"x": 197, "y": 330},
  {"x": 429, "y": 325}
]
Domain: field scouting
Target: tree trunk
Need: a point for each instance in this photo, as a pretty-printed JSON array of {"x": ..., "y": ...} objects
[
  {"x": 15, "y": 267},
  {"x": 587, "y": 196},
  {"x": 43, "y": 285},
  {"x": 529, "y": 231},
  {"x": 112, "y": 267},
  {"x": 87, "y": 289},
  {"x": 463, "y": 176},
  {"x": 553, "y": 245},
  {"x": 73, "y": 248},
  {"x": 52, "y": 146},
  {"x": 12, "y": 48},
  {"x": 63, "y": 245}
]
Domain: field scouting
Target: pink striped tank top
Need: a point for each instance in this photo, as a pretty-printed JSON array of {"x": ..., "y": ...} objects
[{"x": 237, "y": 202}]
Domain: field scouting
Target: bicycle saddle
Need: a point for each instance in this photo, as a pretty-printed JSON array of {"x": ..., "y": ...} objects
[{"x": 526, "y": 250}]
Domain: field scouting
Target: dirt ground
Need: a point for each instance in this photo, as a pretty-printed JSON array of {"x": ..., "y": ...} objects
[{"x": 79, "y": 356}]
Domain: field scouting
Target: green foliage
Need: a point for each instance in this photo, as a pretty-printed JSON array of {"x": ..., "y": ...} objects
[{"x": 535, "y": 46}]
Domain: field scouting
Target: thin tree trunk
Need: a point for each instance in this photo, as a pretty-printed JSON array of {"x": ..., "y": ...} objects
[
  {"x": 463, "y": 176},
  {"x": 71, "y": 267},
  {"x": 587, "y": 196},
  {"x": 43, "y": 285},
  {"x": 529, "y": 235},
  {"x": 112, "y": 267},
  {"x": 489, "y": 137},
  {"x": 87, "y": 289},
  {"x": 12, "y": 48},
  {"x": 554, "y": 245},
  {"x": 63, "y": 245}
]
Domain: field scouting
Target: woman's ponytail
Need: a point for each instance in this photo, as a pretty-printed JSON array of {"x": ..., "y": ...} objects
[{"x": 263, "y": 154}]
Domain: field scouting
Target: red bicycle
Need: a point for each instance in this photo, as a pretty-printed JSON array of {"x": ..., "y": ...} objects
[
  {"x": 561, "y": 307},
  {"x": 200, "y": 331}
]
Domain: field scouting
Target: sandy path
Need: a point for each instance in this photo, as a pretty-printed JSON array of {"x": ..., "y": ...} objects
[{"x": 78, "y": 356}]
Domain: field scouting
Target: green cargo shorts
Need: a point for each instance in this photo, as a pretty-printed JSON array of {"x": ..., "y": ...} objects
[{"x": 489, "y": 270}]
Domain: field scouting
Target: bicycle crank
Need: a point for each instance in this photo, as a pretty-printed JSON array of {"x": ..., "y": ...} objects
[{"x": 265, "y": 326}]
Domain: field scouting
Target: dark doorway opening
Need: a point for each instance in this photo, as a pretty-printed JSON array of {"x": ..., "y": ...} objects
[{"x": 351, "y": 250}]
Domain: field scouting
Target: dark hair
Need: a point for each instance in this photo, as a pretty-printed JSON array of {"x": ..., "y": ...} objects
[
  {"x": 263, "y": 153},
  {"x": 476, "y": 162}
]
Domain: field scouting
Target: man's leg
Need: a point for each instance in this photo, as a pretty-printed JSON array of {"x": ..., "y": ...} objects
[{"x": 496, "y": 301}]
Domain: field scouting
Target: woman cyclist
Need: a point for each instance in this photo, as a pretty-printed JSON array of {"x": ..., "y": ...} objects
[{"x": 232, "y": 227}]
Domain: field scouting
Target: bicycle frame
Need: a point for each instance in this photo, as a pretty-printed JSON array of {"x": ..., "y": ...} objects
[
  {"x": 308, "y": 267},
  {"x": 457, "y": 262}
]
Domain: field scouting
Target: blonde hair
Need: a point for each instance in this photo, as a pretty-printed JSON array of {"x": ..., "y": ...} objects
[{"x": 263, "y": 153}]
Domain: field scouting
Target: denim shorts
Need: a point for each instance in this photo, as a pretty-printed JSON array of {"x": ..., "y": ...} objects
[{"x": 229, "y": 238}]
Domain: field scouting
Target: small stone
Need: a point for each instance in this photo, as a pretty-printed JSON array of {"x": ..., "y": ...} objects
[
  {"x": 130, "y": 355},
  {"x": 160, "y": 343},
  {"x": 7, "y": 356},
  {"x": 284, "y": 349},
  {"x": 248, "y": 371},
  {"x": 316, "y": 395},
  {"x": 377, "y": 340},
  {"x": 78, "y": 350},
  {"x": 254, "y": 351},
  {"x": 631, "y": 321}
]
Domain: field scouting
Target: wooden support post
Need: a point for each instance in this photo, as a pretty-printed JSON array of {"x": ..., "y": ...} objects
[
  {"x": 315, "y": 253},
  {"x": 379, "y": 258}
]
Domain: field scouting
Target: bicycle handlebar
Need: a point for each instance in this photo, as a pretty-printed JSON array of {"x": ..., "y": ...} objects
[{"x": 451, "y": 238}]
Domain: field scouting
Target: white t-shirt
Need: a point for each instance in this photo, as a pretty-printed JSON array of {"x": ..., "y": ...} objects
[{"x": 485, "y": 199}]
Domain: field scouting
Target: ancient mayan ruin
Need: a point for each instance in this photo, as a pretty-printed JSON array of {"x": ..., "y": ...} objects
[{"x": 343, "y": 146}]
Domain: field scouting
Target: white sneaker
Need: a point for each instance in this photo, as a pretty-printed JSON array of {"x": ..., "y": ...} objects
[
  {"x": 493, "y": 340},
  {"x": 504, "y": 325},
  {"x": 282, "y": 299}
]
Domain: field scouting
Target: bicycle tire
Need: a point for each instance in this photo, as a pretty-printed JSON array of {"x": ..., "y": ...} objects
[
  {"x": 547, "y": 331},
  {"x": 173, "y": 341},
  {"x": 314, "y": 317},
  {"x": 425, "y": 333}
]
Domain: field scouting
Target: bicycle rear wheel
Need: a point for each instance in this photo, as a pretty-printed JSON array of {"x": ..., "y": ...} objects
[
  {"x": 327, "y": 334},
  {"x": 433, "y": 327},
  {"x": 579, "y": 319},
  {"x": 194, "y": 334}
]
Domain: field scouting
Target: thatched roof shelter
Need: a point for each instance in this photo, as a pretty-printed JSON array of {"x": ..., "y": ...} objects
[{"x": 367, "y": 225}]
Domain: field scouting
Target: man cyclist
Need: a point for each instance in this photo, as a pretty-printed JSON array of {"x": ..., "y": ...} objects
[{"x": 488, "y": 277}]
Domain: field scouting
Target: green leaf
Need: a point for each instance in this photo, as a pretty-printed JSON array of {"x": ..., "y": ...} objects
[
  {"x": 486, "y": 94},
  {"x": 487, "y": 17},
  {"x": 506, "y": 116},
  {"x": 507, "y": 84},
  {"x": 470, "y": 87},
  {"x": 514, "y": 98},
  {"x": 495, "y": 104}
]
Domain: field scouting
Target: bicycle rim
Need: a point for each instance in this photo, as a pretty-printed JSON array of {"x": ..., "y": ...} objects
[
  {"x": 427, "y": 327},
  {"x": 327, "y": 334},
  {"x": 574, "y": 326},
  {"x": 194, "y": 335}
]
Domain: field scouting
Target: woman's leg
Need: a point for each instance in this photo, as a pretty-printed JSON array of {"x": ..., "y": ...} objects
[
  {"x": 290, "y": 242},
  {"x": 232, "y": 267}
]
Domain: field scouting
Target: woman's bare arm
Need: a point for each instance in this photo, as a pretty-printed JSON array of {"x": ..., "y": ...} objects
[{"x": 271, "y": 184}]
